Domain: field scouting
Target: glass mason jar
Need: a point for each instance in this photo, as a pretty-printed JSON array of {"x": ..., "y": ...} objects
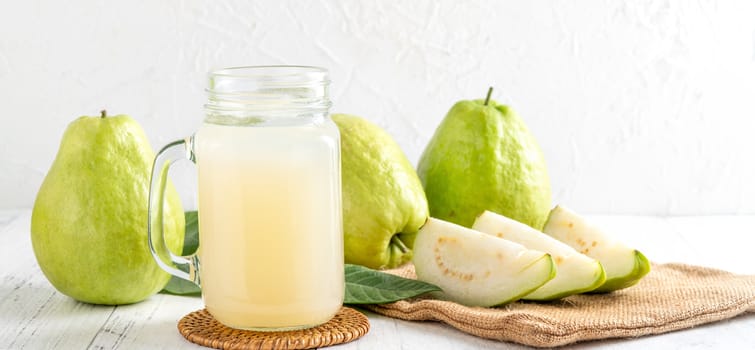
[{"x": 270, "y": 251}]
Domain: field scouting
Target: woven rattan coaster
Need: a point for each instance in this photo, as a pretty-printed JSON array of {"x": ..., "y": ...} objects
[{"x": 201, "y": 328}]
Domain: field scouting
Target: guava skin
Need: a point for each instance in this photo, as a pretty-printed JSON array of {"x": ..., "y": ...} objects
[{"x": 89, "y": 221}]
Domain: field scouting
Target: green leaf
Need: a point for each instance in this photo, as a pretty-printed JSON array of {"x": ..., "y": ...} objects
[
  {"x": 367, "y": 286},
  {"x": 179, "y": 286},
  {"x": 191, "y": 237}
]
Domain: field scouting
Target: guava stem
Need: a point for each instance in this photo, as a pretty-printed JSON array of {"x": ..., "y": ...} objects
[
  {"x": 400, "y": 244},
  {"x": 487, "y": 98},
  {"x": 103, "y": 113}
]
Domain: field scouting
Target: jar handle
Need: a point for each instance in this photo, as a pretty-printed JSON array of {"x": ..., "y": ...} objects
[{"x": 176, "y": 150}]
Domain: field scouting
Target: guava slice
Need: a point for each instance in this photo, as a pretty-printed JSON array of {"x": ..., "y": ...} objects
[
  {"x": 624, "y": 266},
  {"x": 577, "y": 273},
  {"x": 477, "y": 269}
]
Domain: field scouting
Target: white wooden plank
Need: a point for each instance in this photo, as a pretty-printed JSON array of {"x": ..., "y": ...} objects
[
  {"x": 34, "y": 314},
  {"x": 150, "y": 324}
]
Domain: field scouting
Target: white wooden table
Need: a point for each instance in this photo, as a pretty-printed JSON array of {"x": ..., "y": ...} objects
[{"x": 34, "y": 316}]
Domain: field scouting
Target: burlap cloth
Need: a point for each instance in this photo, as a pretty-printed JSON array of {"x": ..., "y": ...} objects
[{"x": 670, "y": 297}]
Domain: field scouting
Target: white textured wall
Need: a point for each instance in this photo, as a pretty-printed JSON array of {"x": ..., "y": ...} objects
[{"x": 640, "y": 106}]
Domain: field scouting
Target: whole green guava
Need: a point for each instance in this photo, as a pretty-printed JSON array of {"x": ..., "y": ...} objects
[
  {"x": 89, "y": 221},
  {"x": 383, "y": 202},
  {"x": 483, "y": 157}
]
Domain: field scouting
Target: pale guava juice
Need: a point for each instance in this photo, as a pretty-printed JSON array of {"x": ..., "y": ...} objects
[{"x": 270, "y": 224}]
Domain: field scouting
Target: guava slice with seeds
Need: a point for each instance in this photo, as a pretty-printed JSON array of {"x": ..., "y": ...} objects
[
  {"x": 477, "y": 269},
  {"x": 577, "y": 273},
  {"x": 624, "y": 266}
]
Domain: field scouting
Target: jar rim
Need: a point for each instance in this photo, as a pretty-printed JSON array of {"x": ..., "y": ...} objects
[
  {"x": 270, "y": 71},
  {"x": 275, "y": 89}
]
